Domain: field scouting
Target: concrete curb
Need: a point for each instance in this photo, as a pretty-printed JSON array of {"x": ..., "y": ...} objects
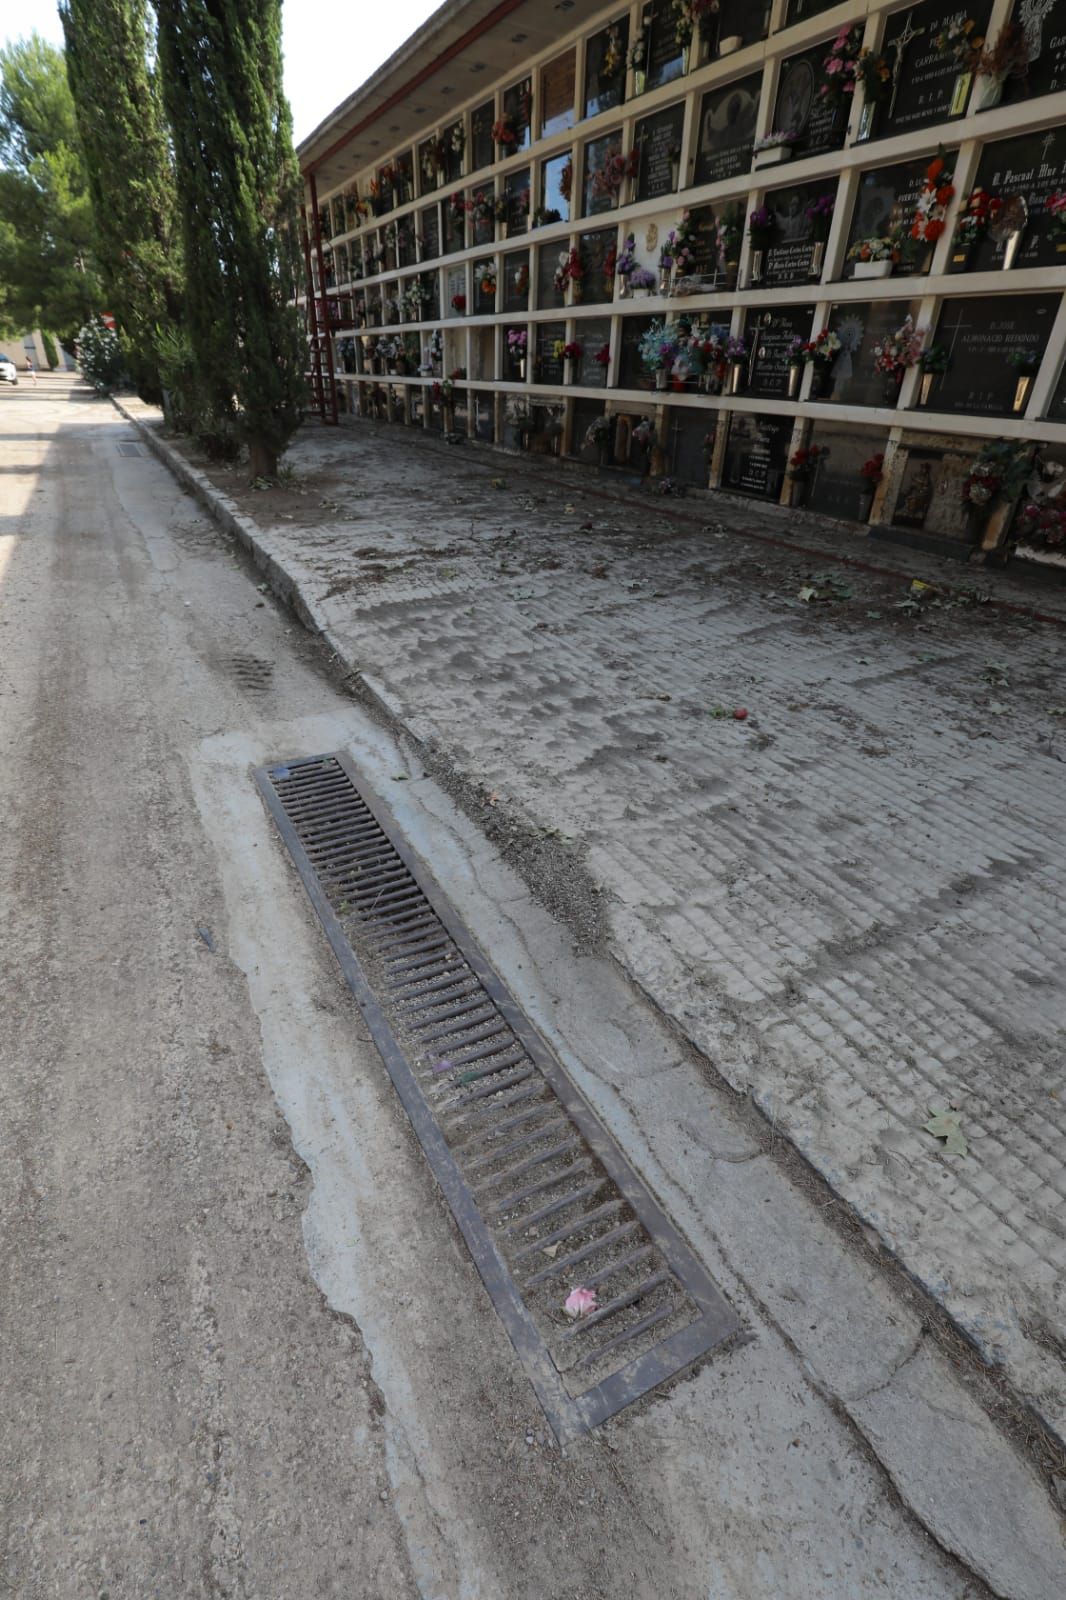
[{"x": 951, "y": 1466}]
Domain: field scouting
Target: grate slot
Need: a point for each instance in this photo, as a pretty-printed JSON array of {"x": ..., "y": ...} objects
[{"x": 494, "y": 1110}]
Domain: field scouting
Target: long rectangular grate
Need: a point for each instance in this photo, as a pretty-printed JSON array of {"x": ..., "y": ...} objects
[{"x": 545, "y": 1200}]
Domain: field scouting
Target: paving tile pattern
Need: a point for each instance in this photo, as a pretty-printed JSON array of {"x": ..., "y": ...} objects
[{"x": 853, "y": 901}]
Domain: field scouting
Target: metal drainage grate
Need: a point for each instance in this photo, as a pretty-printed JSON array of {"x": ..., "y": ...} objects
[
  {"x": 544, "y": 1198},
  {"x": 127, "y": 447}
]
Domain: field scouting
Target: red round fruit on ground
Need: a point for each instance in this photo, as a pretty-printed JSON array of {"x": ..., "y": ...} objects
[{"x": 740, "y": 715}]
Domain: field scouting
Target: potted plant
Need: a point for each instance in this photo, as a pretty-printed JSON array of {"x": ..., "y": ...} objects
[
  {"x": 658, "y": 350},
  {"x": 459, "y": 303},
  {"x": 994, "y": 64},
  {"x": 570, "y": 351},
  {"x": 1055, "y": 211},
  {"x": 874, "y": 257},
  {"x": 802, "y": 466},
  {"x": 675, "y": 256},
  {"x": 761, "y": 228},
  {"x": 638, "y": 59},
  {"x": 774, "y": 147},
  {"x": 485, "y": 280},
  {"x": 602, "y": 357},
  {"x": 870, "y": 473},
  {"x": 625, "y": 265},
  {"x": 505, "y": 136},
  {"x": 517, "y": 344},
  {"x": 933, "y": 363},
  {"x": 874, "y": 73},
  {"x": 820, "y": 353},
  {"x": 896, "y": 353},
  {"x": 598, "y": 437},
  {"x": 735, "y": 354},
  {"x": 1042, "y": 525},
  {"x": 931, "y": 207},
  {"x": 972, "y": 224},
  {"x": 820, "y": 216},
  {"x": 840, "y": 68},
  {"x": 959, "y": 42},
  {"x": 1008, "y": 226},
  {"x": 1027, "y": 364},
  {"x": 995, "y": 480},
  {"x": 642, "y": 281},
  {"x": 728, "y": 233}
]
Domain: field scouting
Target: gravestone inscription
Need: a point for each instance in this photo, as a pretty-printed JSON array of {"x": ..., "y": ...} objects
[
  {"x": 801, "y": 108},
  {"x": 929, "y": 80},
  {"x": 659, "y": 140},
  {"x": 1033, "y": 167},
  {"x": 1043, "y": 23},
  {"x": 605, "y": 67},
  {"x": 665, "y": 57},
  {"x": 756, "y": 454},
  {"x": 985, "y": 340},
  {"x": 792, "y": 256},
  {"x": 726, "y": 131},
  {"x": 769, "y": 336}
]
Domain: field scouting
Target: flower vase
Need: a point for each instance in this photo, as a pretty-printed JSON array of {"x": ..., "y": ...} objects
[
  {"x": 817, "y": 258},
  {"x": 928, "y": 384},
  {"x": 729, "y": 44},
  {"x": 821, "y": 380},
  {"x": 866, "y": 502},
  {"x": 756, "y": 265},
  {"x": 675, "y": 175},
  {"x": 521, "y": 369},
  {"x": 624, "y": 291},
  {"x": 801, "y": 488},
  {"x": 795, "y": 378},
  {"x": 989, "y": 92},
  {"x": 640, "y": 78},
  {"x": 736, "y": 377},
  {"x": 686, "y": 57},
  {"x": 662, "y": 378},
  {"x": 873, "y": 269},
  {"x": 1011, "y": 248},
  {"x": 866, "y": 122},
  {"x": 893, "y": 383},
  {"x": 664, "y": 281},
  {"x": 1022, "y": 390},
  {"x": 772, "y": 156}
]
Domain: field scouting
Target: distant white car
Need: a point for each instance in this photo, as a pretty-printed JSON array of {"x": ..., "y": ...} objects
[{"x": 8, "y": 372}]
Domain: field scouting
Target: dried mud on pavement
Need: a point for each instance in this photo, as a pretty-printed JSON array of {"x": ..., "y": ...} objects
[{"x": 850, "y": 898}]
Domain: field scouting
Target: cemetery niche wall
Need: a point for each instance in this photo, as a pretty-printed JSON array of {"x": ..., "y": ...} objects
[{"x": 540, "y": 207}]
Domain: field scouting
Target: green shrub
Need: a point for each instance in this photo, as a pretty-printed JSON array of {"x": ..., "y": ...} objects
[{"x": 100, "y": 355}]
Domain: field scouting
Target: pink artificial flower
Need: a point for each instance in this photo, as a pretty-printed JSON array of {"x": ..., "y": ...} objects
[
  {"x": 834, "y": 64},
  {"x": 579, "y": 1302}
]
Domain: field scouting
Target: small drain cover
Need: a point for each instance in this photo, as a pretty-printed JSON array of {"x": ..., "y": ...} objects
[
  {"x": 544, "y": 1198},
  {"x": 128, "y": 447}
]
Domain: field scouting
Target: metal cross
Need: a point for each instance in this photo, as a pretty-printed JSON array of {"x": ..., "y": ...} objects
[{"x": 899, "y": 45}]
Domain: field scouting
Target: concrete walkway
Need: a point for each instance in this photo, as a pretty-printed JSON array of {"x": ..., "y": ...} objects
[{"x": 851, "y": 900}]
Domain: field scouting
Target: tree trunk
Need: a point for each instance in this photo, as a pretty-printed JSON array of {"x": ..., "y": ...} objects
[{"x": 262, "y": 460}]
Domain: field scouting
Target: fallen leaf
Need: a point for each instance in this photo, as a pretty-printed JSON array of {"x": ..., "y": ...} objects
[
  {"x": 551, "y": 1251},
  {"x": 997, "y": 708},
  {"x": 399, "y": 777},
  {"x": 808, "y": 592},
  {"x": 1056, "y": 711},
  {"x": 874, "y": 615},
  {"x": 945, "y": 1125},
  {"x": 442, "y": 1066}
]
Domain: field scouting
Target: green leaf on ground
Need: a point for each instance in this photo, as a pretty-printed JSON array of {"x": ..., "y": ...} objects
[{"x": 945, "y": 1125}]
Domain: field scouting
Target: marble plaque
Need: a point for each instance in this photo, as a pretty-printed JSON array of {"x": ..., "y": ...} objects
[
  {"x": 658, "y": 138},
  {"x": 769, "y": 335},
  {"x": 727, "y": 130},
  {"x": 800, "y": 106},
  {"x": 980, "y": 337},
  {"x": 925, "y": 81},
  {"x": 756, "y": 454}
]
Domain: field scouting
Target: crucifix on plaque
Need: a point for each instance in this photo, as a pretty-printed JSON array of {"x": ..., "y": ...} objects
[{"x": 899, "y": 45}]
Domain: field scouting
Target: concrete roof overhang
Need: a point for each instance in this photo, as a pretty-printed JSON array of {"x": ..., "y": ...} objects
[{"x": 463, "y": 44}]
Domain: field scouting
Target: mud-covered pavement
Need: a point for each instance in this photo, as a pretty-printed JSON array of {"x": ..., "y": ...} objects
[{"x": 243, "y": 1350}]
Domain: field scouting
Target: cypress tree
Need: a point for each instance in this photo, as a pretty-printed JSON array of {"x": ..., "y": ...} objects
[
  {"x": 238, "y": 182},
  {"x": 111, "y": 68}
]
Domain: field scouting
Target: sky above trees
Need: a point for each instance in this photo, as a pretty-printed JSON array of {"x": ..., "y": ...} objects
[{"x": 330, "y": 49}]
